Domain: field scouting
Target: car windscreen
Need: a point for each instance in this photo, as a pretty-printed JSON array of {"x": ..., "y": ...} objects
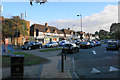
[
  {"x": 97, "y": 42},
  {"x": 50, "y": 43},
  {"x": 30, "y": 43},
  {"x": 67, "y": 45},
  {"x": 111, "y": 43},
  {"x": 84, "y": 43}
]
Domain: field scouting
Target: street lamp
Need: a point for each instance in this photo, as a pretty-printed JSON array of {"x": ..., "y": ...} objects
[{"x": 81, "y": 26}]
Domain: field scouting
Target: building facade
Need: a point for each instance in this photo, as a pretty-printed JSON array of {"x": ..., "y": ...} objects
[{"x": 45, "y": 33}]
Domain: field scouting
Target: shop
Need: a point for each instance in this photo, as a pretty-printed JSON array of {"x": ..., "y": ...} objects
[{"x": 48, "y": 39}]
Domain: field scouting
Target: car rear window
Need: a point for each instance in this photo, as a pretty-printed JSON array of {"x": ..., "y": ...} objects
[
  {"x": 111, "y": 43},
  {"x": 67, "y": 45},
  {"x": 84, "y": 43}
]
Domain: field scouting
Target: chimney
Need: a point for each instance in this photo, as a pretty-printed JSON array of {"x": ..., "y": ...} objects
[
  {"x": 46, "y": 24},
  {"x": 68, "y": 28}
]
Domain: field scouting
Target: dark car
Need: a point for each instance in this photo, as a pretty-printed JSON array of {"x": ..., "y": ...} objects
[
  {"x": 85, "y": 45},
  {"x": 77, "y": 42},
  {"x": 112, "y": 46},
  {"x": 70, "y": 48},
  {"x": 98, "y": 43},
  {"x": 31, "y": 45}
]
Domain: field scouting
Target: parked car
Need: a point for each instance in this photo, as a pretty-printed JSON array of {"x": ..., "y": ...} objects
[
  {"x": 85, "y": 45},
  {"x": 94, "y": 43},
  {"x": 70, "y": 48},
  {"x": 63, "y": 42},
  {"x": 112, "y": 46},
  {"x": 77, "y": 42},
  {"x": 98, "y": 43},
  {"x": 51, "y": 45},
  {"x": 31, "y": 45}
]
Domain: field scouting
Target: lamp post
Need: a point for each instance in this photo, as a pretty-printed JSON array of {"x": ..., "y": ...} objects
[
  {"x": 99, "y": 31},
  {"x": 81, "y": 26}
]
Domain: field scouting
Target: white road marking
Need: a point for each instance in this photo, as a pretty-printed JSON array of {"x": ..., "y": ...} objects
[
  {"x": 95, "y": 70},
  {"x": 113, "y": 69},
  {"x": 73, "y": 64},
  {"x": 93, "y": 52}
]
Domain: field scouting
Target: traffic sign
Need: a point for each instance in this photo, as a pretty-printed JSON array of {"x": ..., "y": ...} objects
[{"x": 6, "y": 41}]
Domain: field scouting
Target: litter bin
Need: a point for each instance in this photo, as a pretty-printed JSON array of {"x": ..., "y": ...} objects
[{"x": 17, "y": 66}]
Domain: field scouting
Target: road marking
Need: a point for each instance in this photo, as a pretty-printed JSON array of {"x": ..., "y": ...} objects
[
  {"x": 113, "y": 69},
  {"x": 73, "y": 64},
  {"x": 95, "y": 70},
  {"x": 93, "y": 52}
]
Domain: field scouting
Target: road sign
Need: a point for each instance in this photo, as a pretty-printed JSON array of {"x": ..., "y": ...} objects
[{"x": 6, "y": 41}]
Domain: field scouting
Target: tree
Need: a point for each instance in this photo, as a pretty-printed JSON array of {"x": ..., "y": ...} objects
[
  {"x": 115, "y": 30},
  {"x": 96, "y": 33},
  {"x": 103, "y": 34},
  {"x": 14, "y": 27}
]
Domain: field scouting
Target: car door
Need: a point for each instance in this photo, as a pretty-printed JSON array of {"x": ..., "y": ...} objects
[{"x": 36, "y": 45}]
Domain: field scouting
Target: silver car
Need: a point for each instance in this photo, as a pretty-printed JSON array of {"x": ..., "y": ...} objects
[{"x": 51, "y": 45}]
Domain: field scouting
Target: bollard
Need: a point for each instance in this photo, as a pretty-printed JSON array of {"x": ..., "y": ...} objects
[
  {"x": 62, "y": 63},
  {"x": 65, "y": 55}
]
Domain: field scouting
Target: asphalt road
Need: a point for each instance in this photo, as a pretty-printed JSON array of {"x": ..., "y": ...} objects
[
  {"x": 96, "y": 62},
  {"x": 90, "y": 63}
]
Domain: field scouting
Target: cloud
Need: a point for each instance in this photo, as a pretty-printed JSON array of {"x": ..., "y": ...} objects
[{"x": 91, "y": 23}]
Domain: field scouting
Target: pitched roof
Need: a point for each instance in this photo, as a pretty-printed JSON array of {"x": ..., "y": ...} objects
[
  {"x": 66, "y": 31},
  {"x": 43, "y": 28}
]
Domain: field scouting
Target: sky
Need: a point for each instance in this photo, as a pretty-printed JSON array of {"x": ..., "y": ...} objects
[{"x": 95, "y": 15}]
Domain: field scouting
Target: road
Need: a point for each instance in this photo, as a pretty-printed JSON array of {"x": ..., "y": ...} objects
[
  {"x": 96, "y": 62},
  {"x": 90, "y": 63}
]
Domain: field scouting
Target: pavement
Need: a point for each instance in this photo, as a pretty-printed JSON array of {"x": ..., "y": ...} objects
[
  {"x": 83, "y": 64},
  {"x": 48, "y": 70}
]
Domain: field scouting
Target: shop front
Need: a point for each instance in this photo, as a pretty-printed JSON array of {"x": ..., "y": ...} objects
[{"x": 48, "y": 39}]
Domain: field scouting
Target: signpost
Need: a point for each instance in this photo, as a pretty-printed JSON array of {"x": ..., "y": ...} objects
[
  {"x": 7, "y": 49},
  {"x": 6, "y": 45}
]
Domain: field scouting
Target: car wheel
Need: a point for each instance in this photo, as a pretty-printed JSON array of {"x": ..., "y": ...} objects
[
  {"x": 88, "y": 47},
  {"x": 117, "y": 49},
  {"x": 73, "y": 51},
  {"x": 40, "y": 47},
  {"x": 29, "y": 48},
  {"x": 51, "y": 46},
  {"x": 77, "y": 50},
  {"x": 106, "y": 49}
]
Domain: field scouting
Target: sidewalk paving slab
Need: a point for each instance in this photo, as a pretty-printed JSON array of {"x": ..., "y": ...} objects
[{"x": 50, "y": 70}]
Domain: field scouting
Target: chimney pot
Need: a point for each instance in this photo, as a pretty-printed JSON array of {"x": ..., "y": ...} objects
[
  {"x": 68, "y": 28},
  {"x": 46, "y": 24}
]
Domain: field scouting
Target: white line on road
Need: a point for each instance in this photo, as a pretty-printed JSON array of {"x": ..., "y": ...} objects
[
  {"x": 93, "y": 52},
  {"x": 95, "y": 70},
  {"x": 73, "y": 64},
  {"x": 113, "y": 69}
]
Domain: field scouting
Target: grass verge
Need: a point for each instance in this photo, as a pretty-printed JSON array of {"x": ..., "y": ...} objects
[
  {"x": 28, "y": 59},
  {"x": 53, "y": 49}
]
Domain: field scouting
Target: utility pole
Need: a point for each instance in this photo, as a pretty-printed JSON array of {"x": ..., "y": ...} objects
[{"x": 81, "y": 34}]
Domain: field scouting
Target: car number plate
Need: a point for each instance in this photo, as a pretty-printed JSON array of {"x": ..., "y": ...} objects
[
  {"x": 111, "y": 45},
  {"x": 66, "y": 48}
]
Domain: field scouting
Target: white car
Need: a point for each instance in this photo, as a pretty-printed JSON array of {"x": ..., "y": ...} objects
[
  {"x": 51, "y": 44},
  {"x": 63, "y": 42}
]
